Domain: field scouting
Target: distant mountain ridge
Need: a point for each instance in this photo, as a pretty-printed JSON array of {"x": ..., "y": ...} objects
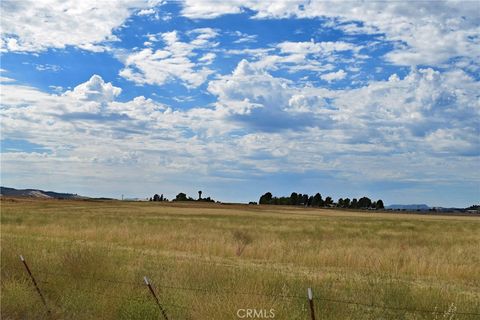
[
  {"x": 421, "y": 207},
  {"x": 36, "y": 193}
]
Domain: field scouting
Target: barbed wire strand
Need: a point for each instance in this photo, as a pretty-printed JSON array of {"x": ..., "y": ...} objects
[{"x": 233, "y": 292}]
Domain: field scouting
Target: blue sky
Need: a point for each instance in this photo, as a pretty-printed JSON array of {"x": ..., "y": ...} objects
[{"x": 239, "y": 98}]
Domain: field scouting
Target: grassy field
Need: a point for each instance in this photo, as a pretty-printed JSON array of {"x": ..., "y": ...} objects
[{"x": 207, "y": 261}]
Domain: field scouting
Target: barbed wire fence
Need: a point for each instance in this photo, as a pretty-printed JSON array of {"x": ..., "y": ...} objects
[{"x": 149, "y": 288}]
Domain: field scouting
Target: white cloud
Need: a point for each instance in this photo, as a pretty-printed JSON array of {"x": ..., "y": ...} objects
[
  {"x": 334, "y": 76},
  {"x": 208, "y": 58},
  {"x": 404, "y": 113},
  {"x": 38, "y": 25},
  {"x": 244, "y": 37},
  {"x": 173, "y": 61},
  {"x": 256, "y": 52},
  {"x": 250, "y": 87},
  {"x": 316, "y": 47},
  {"x": 210, "y": 9},
  {"x": 146, "y": 12},
  {"x": 48, "y": 67},
  {"x": 204, "y": 33},
  {"x": 6, "y": 79},
  {"x": 256, "y": 100},
  {"x": 397, "y": 115},
  {"x": 427, "y": 32},
  {"x": 56, "y": 89},
  {"x": 405, "y": 129},
  {"x": 95, "y": 89},
  {"x": 301, "y": 56}
]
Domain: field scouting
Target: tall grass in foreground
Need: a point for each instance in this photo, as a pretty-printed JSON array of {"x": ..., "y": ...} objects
[{"x": 207, "y": 261}]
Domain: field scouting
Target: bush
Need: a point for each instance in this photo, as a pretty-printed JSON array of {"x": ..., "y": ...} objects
[{"x": 242, "y": 239}]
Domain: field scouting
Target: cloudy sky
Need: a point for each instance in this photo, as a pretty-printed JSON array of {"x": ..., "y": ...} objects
[{"x": 237, "y": 98}]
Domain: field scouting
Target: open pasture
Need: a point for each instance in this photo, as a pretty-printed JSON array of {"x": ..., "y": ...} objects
[{"x": 207, "y": 261}]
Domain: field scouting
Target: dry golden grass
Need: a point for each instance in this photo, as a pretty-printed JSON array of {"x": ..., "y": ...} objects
[{"x": 395, "y": 260}]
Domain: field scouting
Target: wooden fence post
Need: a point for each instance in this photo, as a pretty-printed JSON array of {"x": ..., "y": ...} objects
[
  {"x": 310, "y": 301},
  {"x": 155, "y": 297},
  {"x": 35, "y": 284}
]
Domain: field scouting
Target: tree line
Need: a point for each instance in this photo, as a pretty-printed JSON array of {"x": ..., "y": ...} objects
[
  {"x": 298, "y": 199},
  {"x": 182, "y": 197}
]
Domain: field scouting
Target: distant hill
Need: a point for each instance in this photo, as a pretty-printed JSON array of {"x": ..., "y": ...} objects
[
  {"x": 408, "y": 207},
  {"x": 35, "y": 193}
]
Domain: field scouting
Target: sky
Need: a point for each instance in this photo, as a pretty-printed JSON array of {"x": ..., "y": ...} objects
[{"x": 239, "y": 98}]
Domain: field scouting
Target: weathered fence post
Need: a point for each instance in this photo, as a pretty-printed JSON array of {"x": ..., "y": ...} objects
[
  {"x": 310, "y": 301},
  {"x": 155, "y": 296},
  {"x": 35, "y": 284}
]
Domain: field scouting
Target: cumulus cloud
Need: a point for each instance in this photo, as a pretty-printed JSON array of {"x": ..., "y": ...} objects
[
  {"x": 403, "y": 128},
  {"x": 301, "y": 56},
  {"x": 172, "y": 61},
  {"x": 254, "y": 98},
  {"x": 267, "y": 115},
  {"x": 38, "y": 25},
  {"x": 333, "y": 76},
  {"x": 426, "y": 33},
  {"x": 95, "y": 89},
  {"x": 407, "y": 113},
  {"x": 415, "y": 113}
]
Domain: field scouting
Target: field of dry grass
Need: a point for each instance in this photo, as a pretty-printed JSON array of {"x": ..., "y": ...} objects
[{"x": 209, "y": 260}]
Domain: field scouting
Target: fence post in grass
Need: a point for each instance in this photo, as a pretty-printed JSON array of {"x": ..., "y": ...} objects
[
  {"x": 35, "y": 284},
  {"x": 310, "y": 301},
  {"x": 155, "y": 296}
]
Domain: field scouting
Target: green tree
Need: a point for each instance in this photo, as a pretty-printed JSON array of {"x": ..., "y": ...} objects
[
  {"x": 310, "y": 201},
  {"x": 293, "y": 198},
  {"x": 364, "y": 202},
  {"x": 379, "y": 205},
  {"x": 305, "y": 199},
  {"x": 266, "y": 198},
  {"x": 181, "y": 197},
  {"x": 317, "y": 200},
  {"x": 328, "y": 201},
  {"x": 340, "y": 203},
  {"x": 354, "y": 203}
]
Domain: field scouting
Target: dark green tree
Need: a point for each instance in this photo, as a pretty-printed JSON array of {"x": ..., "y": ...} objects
[
  {"x": 305, "y": 199},
  {"x": 181, "y": 197},
  {"x": 293, "y": 198},
  {"x": 364, "y": 203},
  {"x": 340, "y": 203},
  {"x": 380, "y": 205},
  {"x": 266, "y": 198},
  {"x": 354, "y": 203},
  {"x": 328, "y": 201},
  {"x": 299, "y": 199},
  {"x": 317, "y": 200},
  {"x": 310, "y": 201}
]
